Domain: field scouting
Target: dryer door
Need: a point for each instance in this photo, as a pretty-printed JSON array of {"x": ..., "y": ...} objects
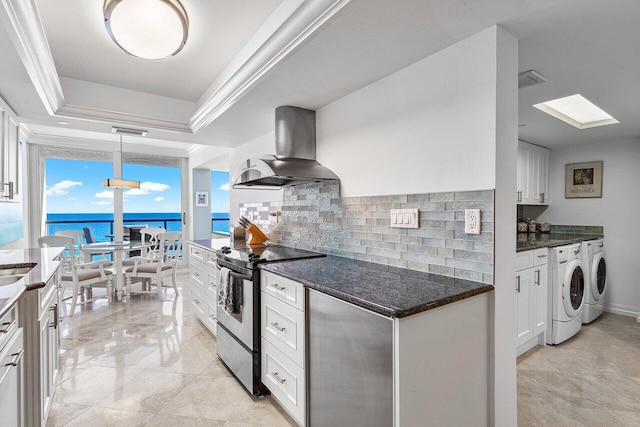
[
  {"x": 573, "y": 288},
  {"x": 598, "y": 276}
]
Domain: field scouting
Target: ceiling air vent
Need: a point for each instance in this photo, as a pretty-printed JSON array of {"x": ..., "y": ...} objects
[
  {"x": 128, "y": 131},
  {"x": 530, "y": 78}
]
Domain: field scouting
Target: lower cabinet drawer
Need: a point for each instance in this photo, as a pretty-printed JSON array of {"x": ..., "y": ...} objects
[
  {"x": 283, "y": 326},
  {"x": 8, "y": 325},
  {"x": 198, "y": 305},
  {"x": 285, "y": 380},
  {"x": 211, "y": 322}
]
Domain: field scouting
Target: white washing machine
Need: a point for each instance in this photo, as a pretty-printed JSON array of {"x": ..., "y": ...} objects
[
  {"x": 566, "y": 294},
  {"x": 593, "y": 258}
]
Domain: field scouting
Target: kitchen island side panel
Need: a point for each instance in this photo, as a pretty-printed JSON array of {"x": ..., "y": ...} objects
[{"x": 441, "y": 365}]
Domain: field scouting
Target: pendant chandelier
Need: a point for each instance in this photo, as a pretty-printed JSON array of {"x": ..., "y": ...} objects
[
  {"x": 147, "y": 29},
  {"x": 120, "y": 183}
]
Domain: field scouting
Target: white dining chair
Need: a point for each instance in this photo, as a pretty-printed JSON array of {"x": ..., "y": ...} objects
[
  {"x": 78, "y": 275},
  {"x": 158, "y": 265}
]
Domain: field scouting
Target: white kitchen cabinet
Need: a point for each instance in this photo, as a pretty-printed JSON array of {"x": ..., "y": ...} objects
[
  {"x": 282, "y": 318},
  {"x": 10, "y": 186},
  {"x": 39, "y": 318},
  {"x": 531, "y": 299},
  {"x": 532, "y": 179},
  {"x": 203, "y": 281},
  {"x": 11, "y": 371}
]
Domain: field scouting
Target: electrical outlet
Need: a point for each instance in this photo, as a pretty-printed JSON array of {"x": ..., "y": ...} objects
[
  {"x": 472, "y": 221},
  {"x": 404, "y": 218}
]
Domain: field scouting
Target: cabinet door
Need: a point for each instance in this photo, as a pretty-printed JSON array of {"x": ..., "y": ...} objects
[
  {"x": 13, "y": 157},
  {"x": 12, "y": 382},
  {"x": 539, "y": 297},
  {"x": 524, "y": 305},
  {"x": 49, "y": 346},
  {"x": 522, "y": 172}
]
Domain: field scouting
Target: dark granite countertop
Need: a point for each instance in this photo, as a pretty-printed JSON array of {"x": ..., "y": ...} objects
[
  {"x": 210, "y": 244},
  {"x": 390, "y": 291},
  {"x": 527, "y": 242},
  {"x": 36, "y": 278}
]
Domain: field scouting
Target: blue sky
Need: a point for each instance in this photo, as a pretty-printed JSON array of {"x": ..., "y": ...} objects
[{"x": 75, "y": 186}]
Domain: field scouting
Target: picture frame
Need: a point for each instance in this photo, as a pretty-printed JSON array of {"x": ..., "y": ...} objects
[
  {"x": 202, "y": 199},
  {"x": 583, "y": 180}
]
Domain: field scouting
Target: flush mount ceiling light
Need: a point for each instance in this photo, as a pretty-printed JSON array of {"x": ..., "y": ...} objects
[
  {"x": 577, "y": 111},
  {"x": 148, "y": 29}
]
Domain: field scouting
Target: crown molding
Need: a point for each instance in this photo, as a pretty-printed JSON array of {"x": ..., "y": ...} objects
[
  {"x": 23, "y": 24},
  {"x": 135, "y": 120},
  {"x": 303, "y": 23}
]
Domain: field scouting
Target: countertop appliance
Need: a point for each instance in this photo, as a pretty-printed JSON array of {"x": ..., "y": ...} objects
[
  {"x": 238, "y": 339},
  {"x": 566, "y": 296},
  {"x": 596, "y": 279}
]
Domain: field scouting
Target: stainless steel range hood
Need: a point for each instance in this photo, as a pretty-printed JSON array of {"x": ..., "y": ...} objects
[{"x": 295, "y": 159}]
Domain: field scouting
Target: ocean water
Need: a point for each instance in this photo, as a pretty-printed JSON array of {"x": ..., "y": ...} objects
[{"x": 102, "y": 224}]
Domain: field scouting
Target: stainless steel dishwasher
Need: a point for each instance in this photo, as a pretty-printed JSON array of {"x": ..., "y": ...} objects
[{"x": 350, "y": 364}]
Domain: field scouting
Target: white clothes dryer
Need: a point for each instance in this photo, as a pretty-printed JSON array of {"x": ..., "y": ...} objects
[
  {"x": 566, "y": 296},
  {"x": 593, "y": 257}
]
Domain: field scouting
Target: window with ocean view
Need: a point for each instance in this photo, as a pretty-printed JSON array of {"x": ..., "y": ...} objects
[{"x": 220, "y": 201}]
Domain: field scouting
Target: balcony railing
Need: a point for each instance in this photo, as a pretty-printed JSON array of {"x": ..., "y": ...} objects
[{"x": 102, "y": 228}]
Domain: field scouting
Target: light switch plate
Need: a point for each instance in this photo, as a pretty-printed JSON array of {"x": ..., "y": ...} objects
[
  {"x": 472, "y": 221},
  {"x": 405, "y": 218}
]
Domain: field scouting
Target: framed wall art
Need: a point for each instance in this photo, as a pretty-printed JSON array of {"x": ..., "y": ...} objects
[
  {"x": 583, "y": 180},
  {"x": 202, "y": 199}
]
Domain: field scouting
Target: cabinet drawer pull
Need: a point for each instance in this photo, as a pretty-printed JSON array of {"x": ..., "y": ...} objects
[
  {"x": 542, "y": 256},
  {"x": 280, "y": 380},
  {"x": 278, "y": 327},
  {"x": 537, "y": 277},
  {"x": 9, "y": 326},
  {"x": 278, "y": 288},
  {"x": 54, "y": 324},
  {"x": 518, "y": 284},
  {"x": 196, "y": 274},
  {"x": 17, "y": 356}
]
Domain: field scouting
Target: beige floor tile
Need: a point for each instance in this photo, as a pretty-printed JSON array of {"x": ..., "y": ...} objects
[
  {"x": 589, "y": 380},
  {"x": 106, "y": 417},
  {"x": 62, "y": 413},
  {"x": 165, "y": 420},
  {"x": 147, "y": 392},
  {"x": 264, "y": 412},
  {"x": 209, "y": 397}
]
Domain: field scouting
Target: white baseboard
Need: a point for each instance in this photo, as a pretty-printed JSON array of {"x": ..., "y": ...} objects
[{"x": 623, "y": 310}]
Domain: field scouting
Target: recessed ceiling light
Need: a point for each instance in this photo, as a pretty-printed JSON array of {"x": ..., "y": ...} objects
[
  {"x": 62, "y": 122},
  {"x": 148, "y": 29},
  {"x": 577, "y": 111}
]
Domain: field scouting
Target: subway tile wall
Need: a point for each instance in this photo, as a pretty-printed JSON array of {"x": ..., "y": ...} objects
[
  {"x": 315, "y": 217},
  {"x": 577, "y": 229}
]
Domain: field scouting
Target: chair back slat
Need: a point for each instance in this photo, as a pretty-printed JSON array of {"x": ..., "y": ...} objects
[
  {"x": 170, "y": 247},
  {"x": 149, "y": 238},
  {"x": 68, "y": 254}
]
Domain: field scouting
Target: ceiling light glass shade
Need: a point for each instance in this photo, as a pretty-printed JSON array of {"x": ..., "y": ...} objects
[
  {"x": 148, "y": 29},
  {"x": 121, "y": 183}
]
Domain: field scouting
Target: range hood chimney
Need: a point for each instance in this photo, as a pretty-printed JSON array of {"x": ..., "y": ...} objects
[{"x": 295, "y": 159}]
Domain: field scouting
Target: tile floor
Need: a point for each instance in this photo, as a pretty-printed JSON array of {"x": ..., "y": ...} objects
[
  {"x": 148, "y": 362},
  {"x": 593, "y": 379}
]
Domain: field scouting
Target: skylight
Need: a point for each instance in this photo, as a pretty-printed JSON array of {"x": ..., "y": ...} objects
[{"x": 577, "y": 111}]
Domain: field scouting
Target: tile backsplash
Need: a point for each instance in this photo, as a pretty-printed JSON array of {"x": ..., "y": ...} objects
[
  {"x": 577, "y": 229},
  {"x": 315, "y": 217}
]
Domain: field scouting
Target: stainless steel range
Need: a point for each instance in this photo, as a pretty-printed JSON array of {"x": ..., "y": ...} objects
[{"x": 238, "y": 308}]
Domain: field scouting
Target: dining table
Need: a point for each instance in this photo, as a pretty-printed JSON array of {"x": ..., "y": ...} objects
[{"x": 119, "y": 250}]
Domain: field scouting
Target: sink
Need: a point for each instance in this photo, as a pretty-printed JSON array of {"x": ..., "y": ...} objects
[{"x": 9, "y": 280}]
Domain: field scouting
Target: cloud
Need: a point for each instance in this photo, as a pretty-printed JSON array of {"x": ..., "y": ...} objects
[
  {"x": 101, "y": 203},
  {"x": 62, "y": 188},
  {"x": 158, "y": 199},
  {"x": 106, "y": 194},
  {"x": 86, "y": 167},
  {"x": 225, "y": 187},
  {"x": 146, "y": 188}
]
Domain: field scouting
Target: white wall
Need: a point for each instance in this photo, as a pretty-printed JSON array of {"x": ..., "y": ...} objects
[
  {"x": 427, "y": 128},
  {"x": 615, "y": 211},
  {"x": 440, "y": 124}
]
